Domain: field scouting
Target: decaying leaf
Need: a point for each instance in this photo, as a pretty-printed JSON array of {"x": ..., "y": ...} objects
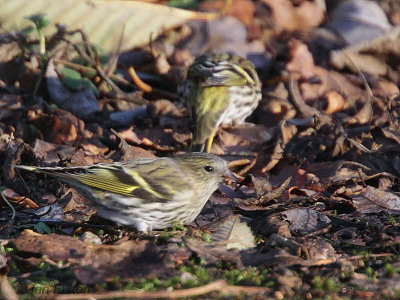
[
  {"x": 272, "y": 258},
  {"x": 265, "y": 192},
  {"x": 305, "y": 220},
  {"x": 213, "y": 253},
  {"x": 288, "y": 17},
  {"x": 234, "y": 233},
  {"x": 95, "y": 263},
  {"x": 372, "y": 57},
  {"x": 18, "y": 200},
  {"x": 130, "y": 19},
  {"x": 373, "y": 200}
]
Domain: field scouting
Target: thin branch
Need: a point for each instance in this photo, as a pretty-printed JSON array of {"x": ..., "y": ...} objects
[{"x": 218, "y": 286}]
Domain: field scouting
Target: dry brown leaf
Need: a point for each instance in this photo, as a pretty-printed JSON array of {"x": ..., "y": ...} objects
[
  {"x": 364, "y": 115},
  {"x": 275, "y": 152},
  {"x": 272, "y": 258},
  {"x": 22, "y": 201},
  {"x": 376, "y": 57},
  {"x": 337, "y": 172},
  {"x": 373, "y": 200},
  {"x": 301, "y": 66},
  {"x": 243, "y": 140},
  {"x": 94, "y": 147},
  {"x": 384, "y": 89},
  {"x": 60, "y": 126},
  {"x": 305, "y": 220},
  {"x": 288, "y": 17},
  {"x": 317, "y": 250},
  {"x": 213, "y": 253},
  {"x": 51, "y": 153},
  {"x": 130, "y": 136},
  {"x": 301, "y": 61},
  {"x": 234, "y": 234},
  {"x": 8, "y": 105},
  {"x": 95, "y": 263},
  {"x": 165, "y": 107},
  {"x": 240, "y": 9},
  {"x": 335, "y": 102}
]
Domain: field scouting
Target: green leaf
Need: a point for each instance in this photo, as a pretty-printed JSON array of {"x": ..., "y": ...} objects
[
  {"x": 40, "y": 21},
  {"x": 73, "y": 80},
  {"x": 185, "y": 4}
]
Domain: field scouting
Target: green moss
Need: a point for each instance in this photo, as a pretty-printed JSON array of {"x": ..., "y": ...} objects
[
  {"x": 371, "y": 273},
  {"x": 391, "y": 270},
  {"x": 328, "y": 285}
]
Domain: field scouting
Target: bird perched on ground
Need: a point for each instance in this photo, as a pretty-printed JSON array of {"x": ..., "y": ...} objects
[
  {"x": 148, "y": 193},
  {"x": 219, "y": 89}
]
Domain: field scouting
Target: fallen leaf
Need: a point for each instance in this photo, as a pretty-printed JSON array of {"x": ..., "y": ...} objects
[
  {"x": 273, "y": 258},
  {"x": 305, "y": 220},
  {"x": 234, "y": 234},
  {"x": 318, "y": 250},
  {"x": 373, "y": 200},
  {"x": 287, "y": 17},
  {"x": 9, "y": 104},
  {"x": 375, "y": 57},
  {"x": 213, "y": 253},
  {"x": 20, "y": 201},
  {"x": 131, "y": 17},
  {"x": 128, "y": 260},
  {"x": 335, "y": 102},
  {"x": 50, "y": 152},
  {"x": 95, "y": 263}
]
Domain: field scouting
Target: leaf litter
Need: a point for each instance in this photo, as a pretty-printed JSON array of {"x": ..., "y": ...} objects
[{"x": 316, "y": 214}]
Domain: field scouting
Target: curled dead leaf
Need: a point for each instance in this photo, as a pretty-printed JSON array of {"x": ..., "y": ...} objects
[
  {"x": 373, "y": 200},
  {"x": 21, "y": 201},
  {"x": 305, "y": 220},
  {"x": 335, "y": 102}
]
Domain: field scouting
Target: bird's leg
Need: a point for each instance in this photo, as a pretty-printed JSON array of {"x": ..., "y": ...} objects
[{"x": 210, "y": 141}]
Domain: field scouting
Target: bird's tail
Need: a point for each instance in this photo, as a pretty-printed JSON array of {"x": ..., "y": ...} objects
[{"x": 28, "y": 168}]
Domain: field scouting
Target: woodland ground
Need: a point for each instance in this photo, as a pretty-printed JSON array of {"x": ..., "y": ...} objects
[{"x": 317, "y": 213}]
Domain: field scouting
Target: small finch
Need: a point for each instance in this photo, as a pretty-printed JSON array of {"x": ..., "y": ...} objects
[
  {"x": 219, "y": 89},
  {"x": 148, "y": 193}
]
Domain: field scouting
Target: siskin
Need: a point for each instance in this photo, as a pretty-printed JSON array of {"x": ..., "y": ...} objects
[
  {"x": 219, "y": 89},
  {"x": 148, "y": 193}
]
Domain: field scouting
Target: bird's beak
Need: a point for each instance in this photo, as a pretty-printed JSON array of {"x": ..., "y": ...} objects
[{"x": 229, "y": 175}]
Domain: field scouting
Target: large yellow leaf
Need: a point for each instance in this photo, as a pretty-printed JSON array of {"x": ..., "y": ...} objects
[{"x": 104, "y": 22}]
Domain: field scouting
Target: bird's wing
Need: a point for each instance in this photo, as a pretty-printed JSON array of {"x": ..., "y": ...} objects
[{"x": 146, "y": 180}]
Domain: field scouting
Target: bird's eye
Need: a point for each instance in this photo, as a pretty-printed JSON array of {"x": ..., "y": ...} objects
[{"x": 208, "y": 169}]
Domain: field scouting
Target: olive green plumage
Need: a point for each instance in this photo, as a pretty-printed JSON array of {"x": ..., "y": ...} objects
[
  {"x": 147, "y": 193},
  {"x": 219, "y": 89}
]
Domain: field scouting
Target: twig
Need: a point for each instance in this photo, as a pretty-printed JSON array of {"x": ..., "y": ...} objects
[
  {"x": 9, "y": 204},
  {"x": 370, "y": 255},
  {"x": 361, "y": 178},
  {"x": 116, "y": 78},
  {"x": 71, "y": 224},
  {"x": 136, "y": 80},
  {"x": 239, "y": 162},
  {"x": 218, "y": 286}
]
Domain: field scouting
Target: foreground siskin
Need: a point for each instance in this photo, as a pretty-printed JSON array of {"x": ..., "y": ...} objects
[
  {"x": 148, "y": 193},
  {"x": 219, "y": 89}
]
